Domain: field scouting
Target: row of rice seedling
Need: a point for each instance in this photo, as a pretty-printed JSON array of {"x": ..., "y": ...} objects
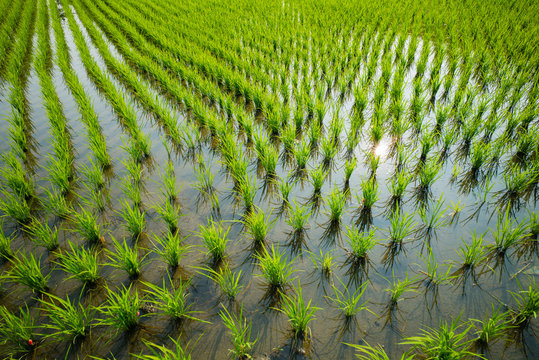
[{"x": 115, "y": 97}]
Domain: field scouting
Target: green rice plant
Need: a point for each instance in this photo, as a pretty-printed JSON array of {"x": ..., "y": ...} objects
[
  {"x": 5, "y": 244},
  {"x": 170, "y": 214},
  {"x": 329, "y": 149},
  {"x": 15, "y": 178},
  {"x": 43, "y": 235},
  {"x": 434, "y": 276},
  {"x": 55, "y": 203},
  {"x": 479, "y": 155},
  {"x": 285, "y": 187},
  {"x": 369, "y": 193},
  {"x": 433, "y": 218},
  {"x": 302, "y": 152},
  {"x": 493, "y": 327},
  {"x": 164, "y": 352},
  {"x": 17, "y": 332},
  {"x": 508, "y": 234},
  {"x": 369, "y": 352},
  {"x": 527, "y": 302},
  {"x": 457, "y": 209},
  {"x": 81, "y": 263},
  {"x": 26, "y": 270},
  {"x": 170, "y": 247},
  {"x": 15, "y": 207},
  {"x": 258, "y": 225},
  {"x": 398, "y": 184},
  {"x": 94, "y": 198},
  {"x": 125, "y": 258},
  {"x": 336, "y": 205},
  {"x": 228, "y": 281},
  {"x": 172, "y": 299},
  {"x": 274, "y": 267},
  {"x": 288, "y": 138},
  {"x": 67, "y": 321},
  {"x": 122, "y": 309},
  {"x": 131, "y": 190},
  {"x": 240, "y": 330},
  {"x": 374, "y": 162},
  {"x": 93, "y": 174},
  {"x": 134, "y": 220},
  {"x": 59, "y": 173},
  {"x": 473, "y": 254},
  {"x": 134, "y": 168},
  {"x": 428, "y": 173},
  {"x": 299, "y": 313},
  {"x": 360, "y": 242},
  {"x": 349, "y": 167},
  {"x": 323, "y": 262},
  {"x": 86, "y": 225},
  {"x": 399, "y": 287},
  {"x": 214, "y": 237},
  {"x": 298, "y": 217},
  {"x": 314, "y": 135},
  {"x": 317, "y": 177},
  {"x": 247, "y": 192},
  {"x": 335, "y": 127},
  {"x": 269, "y": 160},
  {"x": 349, "y": 303},
  {"x": 204, "y": 178},
  {"x": 532, "y": 225},
  {"x": 449, "y": 341}
]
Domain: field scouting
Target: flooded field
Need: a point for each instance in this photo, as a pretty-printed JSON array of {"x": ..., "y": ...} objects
[{"x": 275, "y": 180}]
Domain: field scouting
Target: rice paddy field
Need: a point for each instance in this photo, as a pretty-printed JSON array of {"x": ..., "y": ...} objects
[{"x": 291, "y": 179}]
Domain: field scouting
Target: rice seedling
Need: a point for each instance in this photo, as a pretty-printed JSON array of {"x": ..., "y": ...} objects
[
  {"x": 240, "y": 330},
  {"x": 247, "y": 192},
  {"x": 228, "y": 281},
  {"x": 433, "y": 218},
  {"x": 473, "y": 254},
  {"x": 323, "y": 262},
  {"x": 164, "y": 352},
  {"x": 15, "y": 207},
  {"x": 508, "y": 234},
  {"x": 401, "y": 227},
  {"x": 122, "y": 309},
  {"x": 449, "y": 341},
  {"x": 87, "y": 226},
  {"x": 317, "y": 177},
  {"x": 172, "y": 299},
  {"x": 131, "y": 190},
  {"x": 492, "y": 328},
  {"x": 302, "y": 152},
  {"x": 349, "y": 167},
  {"x": 527, "y": 302},
  {"x": 369, "y": 193},
  {"x": 328, "y": 149},
  {"x": 298, "y": 217},
  {"x": 81, "y": 263},
  {"x": 43, "y": 235},
  {"x": 299, "y": 313},
  {"x": 5, "y": 244},
  {"x": 26, "y": 270},
  {"x": 134, "y": 219},
  {"x": 204, "y": 178},
  {"x": 360, "y": 243},
  {"x": 14, "y": 177},
  {"x": 257, "y": 225},
  {"x": 398, "y": 184},
  {"x": 275, "y": 267},
  {"x": 18, "y": 332},
  {"x": 125, "y": 258},
  {"x": 93, "y": 175},
  {"x": 399, "y": 287},
  {"x": 336, "y": 205},
  {"x": 349, "y": 303},
  {"x": 55, "y": 203},
  {"x": 170, "y": 215},
  {"x": 369, "y": 352},
  {"x": 433, "y": 275},
  {"x": 428, "y": 173},
  {"x": 170, "y": 247},
  {"x": 214, "y": 237},
  {"x": 67, "y": 321}
]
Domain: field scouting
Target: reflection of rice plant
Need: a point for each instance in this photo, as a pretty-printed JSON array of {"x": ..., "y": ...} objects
[
  {"x": 17, "y": 331},
  {"x": 274, "y": 267},
  {"x": 348, "y": 303},
  {"x": 26, "y": 270},
  {"x": 68, "y": 321},
  {"x": 299, "y": 313},
  {"x": 240, "y": 330},
  {"x": 80, "y": 262},
  {"x": 172, "y": 249},
  {"x": 214, "y": 237}
]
